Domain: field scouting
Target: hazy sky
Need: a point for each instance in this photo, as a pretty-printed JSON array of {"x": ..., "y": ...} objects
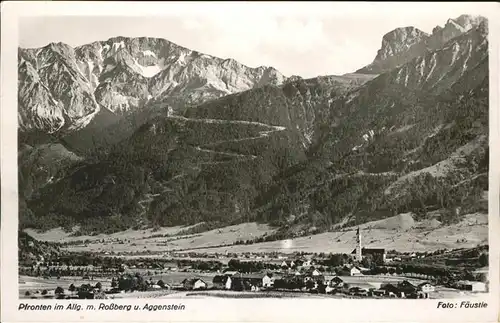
[{"x": 303, "y": 44}]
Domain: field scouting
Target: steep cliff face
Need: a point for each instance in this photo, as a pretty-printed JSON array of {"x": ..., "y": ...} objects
[
  {"x": 398, "y": 47},
  {"x": 54, "y": 69},
  {"x": 38, "y": 110},
  {"x": 404, "y": 44},
  {"x": 453, "y": 28},
  {"x": 415, "y": 84}
]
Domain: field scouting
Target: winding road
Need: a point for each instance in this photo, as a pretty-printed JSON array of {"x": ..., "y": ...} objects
[{"x": 148, "y": 198}]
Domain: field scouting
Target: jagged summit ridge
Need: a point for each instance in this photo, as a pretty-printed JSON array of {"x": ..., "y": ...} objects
[
  {"x": 125, "y": 74},
  {"x": 399, "y": 40},
  {"x": 404, "y": 44}
]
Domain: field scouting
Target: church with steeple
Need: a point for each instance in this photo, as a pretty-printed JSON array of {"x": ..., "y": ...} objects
[
  {"x": 359, "y": 255},
  {"x": 378, "y": 254}
]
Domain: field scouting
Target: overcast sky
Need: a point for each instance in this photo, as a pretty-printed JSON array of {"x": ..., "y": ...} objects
[{"x": 303, "y": 44}]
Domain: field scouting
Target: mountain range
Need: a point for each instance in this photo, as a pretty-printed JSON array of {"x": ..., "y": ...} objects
[{"x": 140, "y": 132}]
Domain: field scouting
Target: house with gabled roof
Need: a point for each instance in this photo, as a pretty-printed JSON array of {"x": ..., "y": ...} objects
[
  {"x": 352, "y": 271},
  {"x": 222, "y": 282},
  {"x": 334, "y": 281},
  {"x": 253, "y": 281},
  {"x": 194, "y": 283},
  {"x": 316, "y": 272},
  {"x": 230, "y": 272}
]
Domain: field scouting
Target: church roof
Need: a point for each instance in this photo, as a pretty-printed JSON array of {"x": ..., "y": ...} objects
[{"x": 370, "y": 251}]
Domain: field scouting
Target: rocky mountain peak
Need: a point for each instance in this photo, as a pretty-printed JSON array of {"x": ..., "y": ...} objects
[
  {"x": 399, "y": 41},
  {"x": 453, "y": 28},
  {"x": 398, "y": 46},
  {"x": 125, "y": 74},
  {"x": 468, "y": 21},
  {"x": 404, "y": 44}
]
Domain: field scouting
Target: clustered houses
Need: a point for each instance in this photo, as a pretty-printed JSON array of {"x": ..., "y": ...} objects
[
  {"x": 316, "y": 282},
  {"x": 194, "y": 284},
  {"x": 244, "y": 282},
  {"x": 336, "y": 273}
]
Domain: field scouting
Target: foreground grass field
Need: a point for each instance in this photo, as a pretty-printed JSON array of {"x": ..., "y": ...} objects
[{"x": 34, "y": 284}]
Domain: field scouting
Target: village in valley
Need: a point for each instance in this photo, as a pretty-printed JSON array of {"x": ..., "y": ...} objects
[{"x": 364, "y": 273}]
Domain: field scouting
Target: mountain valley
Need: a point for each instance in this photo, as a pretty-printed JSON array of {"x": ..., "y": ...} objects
[{"x": 141, "y": 133}]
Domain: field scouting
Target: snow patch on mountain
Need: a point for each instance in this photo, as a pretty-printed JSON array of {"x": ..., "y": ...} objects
[
  {"x": 456, "y": 48},
  {"x": 149, "y": 71},
  {"x": 433, "y": 66},
  {"x": 181, "y": 59},
  {"x": 117, "y": 46},
  {"x": 148, "y": 53}
]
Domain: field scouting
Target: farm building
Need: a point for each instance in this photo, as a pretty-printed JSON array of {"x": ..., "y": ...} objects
[
  {"x": 230, "y": 272},
  {"x": 472, "y": 286},
  {"x": 288, "y": 264},
  {"x": 334, "y": 281},
  {"x": 353, "y": 271},
  {"x": 246, "y": 281},
  {"x": 390, "y": 290},
  {"x": 308, "y": 263},
  {"x": 426, "y": 287},
  {"x": 222, "y": 281},
  {"x": 406, "y": 288},
  {"x": 315, "y": 272},
  {"x": 267, "y": 281},
  {"x": 194, "y": 283},
  {"x": 240, "y": 281}
]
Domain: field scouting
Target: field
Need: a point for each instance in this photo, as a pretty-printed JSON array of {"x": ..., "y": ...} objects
[
  {"x": 34, "y": 284},
  {"x": 58, "y": 235},
  {"x": 402, "y": 233},
  {"x": 143, "y": 239},
  {"x": 440, "y": 293}
]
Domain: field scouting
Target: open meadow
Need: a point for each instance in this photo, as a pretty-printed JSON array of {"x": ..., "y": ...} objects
[
  {"x": 402, "y": 233},
  {"x": 34, "y": 284}
]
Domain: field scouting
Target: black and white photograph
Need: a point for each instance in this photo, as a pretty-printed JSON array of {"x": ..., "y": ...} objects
[{"x": 253, "y": 157}]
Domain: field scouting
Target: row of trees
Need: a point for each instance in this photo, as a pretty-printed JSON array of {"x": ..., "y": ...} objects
[
  {"x": 250, "y": 266},
  {"x": 210, "y": 265},
  {"x": 294, "y": 283}
]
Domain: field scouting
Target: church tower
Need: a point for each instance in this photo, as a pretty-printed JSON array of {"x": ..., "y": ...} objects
[{"x": 359, "y": 256}]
